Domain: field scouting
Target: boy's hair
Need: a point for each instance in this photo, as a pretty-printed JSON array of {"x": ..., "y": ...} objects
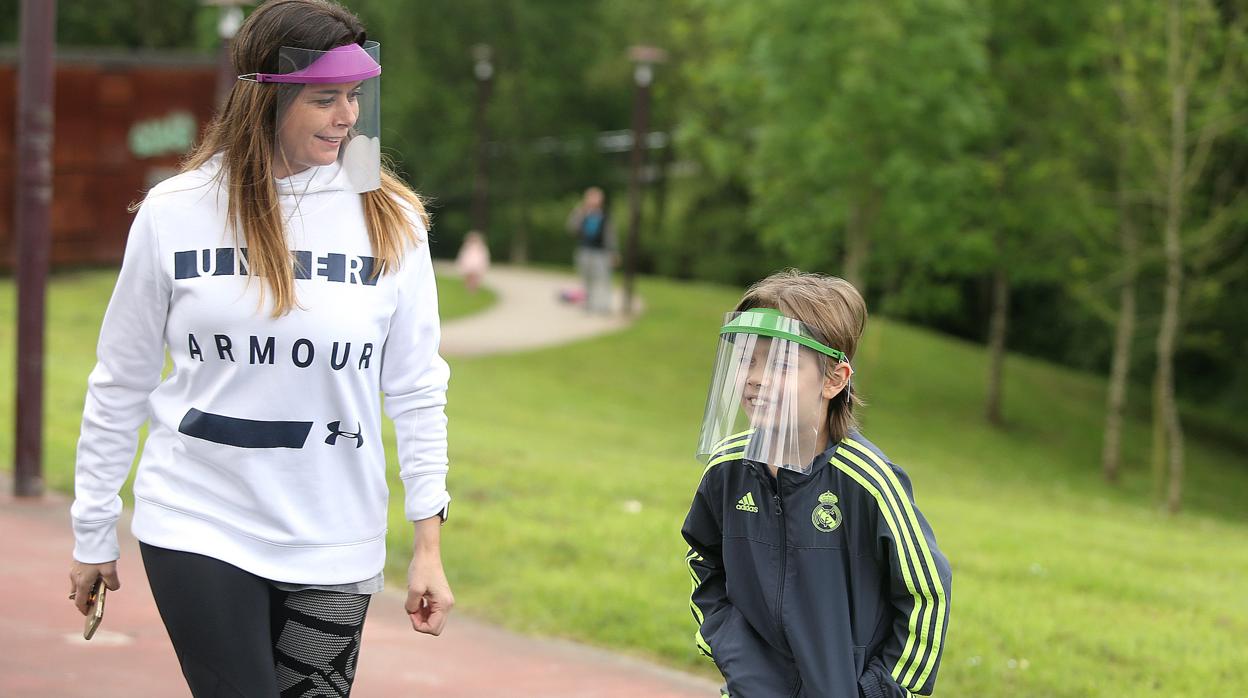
[{"x": 834, "y": 310}]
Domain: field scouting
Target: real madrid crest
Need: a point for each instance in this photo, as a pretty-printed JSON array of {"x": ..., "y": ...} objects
[{"x": 827, "y": 515}]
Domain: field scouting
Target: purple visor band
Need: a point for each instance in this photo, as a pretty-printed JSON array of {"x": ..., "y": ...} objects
[{"x": 343, "y": 64}]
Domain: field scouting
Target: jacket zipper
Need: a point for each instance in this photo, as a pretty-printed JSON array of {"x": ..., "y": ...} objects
[
  {"x": 776, "y": 499},
  {"x": 784, "y": 549}
]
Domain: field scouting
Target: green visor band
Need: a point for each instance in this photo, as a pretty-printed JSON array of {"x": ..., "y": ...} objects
[{"x": 769, "y": 322}]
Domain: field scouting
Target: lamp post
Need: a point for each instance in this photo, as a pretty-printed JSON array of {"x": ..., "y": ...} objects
[
  {"x": 483, "y": 70},
  {"x": 228, "y": 22},
  {"x": 35, "y": 84},
  {"x": 644, "y": 59}
]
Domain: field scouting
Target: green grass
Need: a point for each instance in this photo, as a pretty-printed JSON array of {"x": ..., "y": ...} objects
[
  {"x": 455, "y": 301},
  {"x": 1063, "y": 586}
]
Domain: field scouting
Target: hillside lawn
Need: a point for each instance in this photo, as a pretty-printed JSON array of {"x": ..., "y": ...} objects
[{"x": 572, "y": 470}]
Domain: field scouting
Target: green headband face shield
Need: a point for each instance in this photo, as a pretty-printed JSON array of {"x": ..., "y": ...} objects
[{"x": 769, "y": 392}]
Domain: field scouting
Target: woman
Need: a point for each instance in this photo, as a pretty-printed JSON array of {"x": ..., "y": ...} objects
[
  {"x": 289, "y": 284},
  {"x": 595, "y": 248}
]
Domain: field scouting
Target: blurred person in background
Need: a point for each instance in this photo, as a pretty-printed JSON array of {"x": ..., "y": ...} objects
[
  {"x": 590, "y": 224},
  {"x": 288, "y": 275},
  {"x": 473, "y": 260}
]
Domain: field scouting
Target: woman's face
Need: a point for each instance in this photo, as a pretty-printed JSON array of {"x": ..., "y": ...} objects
[{"x": 315, "y": 126}]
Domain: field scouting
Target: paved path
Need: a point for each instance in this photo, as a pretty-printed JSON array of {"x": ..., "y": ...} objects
[
  {"x": 42, "y": 654},
  {"x": 528, "y": 315}
]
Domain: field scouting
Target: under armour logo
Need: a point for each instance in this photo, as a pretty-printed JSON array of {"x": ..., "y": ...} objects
[{"x": 334, "y": 433}]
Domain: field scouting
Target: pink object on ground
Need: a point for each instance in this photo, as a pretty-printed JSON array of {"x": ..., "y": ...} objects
[{"x": 575, "y": 294}]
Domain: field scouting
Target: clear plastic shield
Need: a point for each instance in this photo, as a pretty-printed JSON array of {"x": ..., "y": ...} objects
[
  {"x": 329, "y": 111},
  {"x": 766, "y": 400}
]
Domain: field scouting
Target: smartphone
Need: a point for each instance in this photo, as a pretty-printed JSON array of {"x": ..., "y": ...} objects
[{"x": 95, "y": 609}]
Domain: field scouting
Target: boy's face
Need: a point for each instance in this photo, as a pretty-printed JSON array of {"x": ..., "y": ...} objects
[{"x": 784, "y": 382}]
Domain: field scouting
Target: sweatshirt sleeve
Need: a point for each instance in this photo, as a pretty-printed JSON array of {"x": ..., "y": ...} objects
[
  {"x": 414, "y": 381},
  {"x": 129, "y": 359},
  {"x": 920, "y": 581}
]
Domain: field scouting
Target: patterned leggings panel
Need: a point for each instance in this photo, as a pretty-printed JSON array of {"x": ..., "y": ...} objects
[
  {"x": 317, "y": 642},
  {"x": 238, "y": 636}
]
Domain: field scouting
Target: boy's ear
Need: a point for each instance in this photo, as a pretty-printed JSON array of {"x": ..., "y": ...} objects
[
  {"x": 836, "y": 380},
  {"x": 829, "y": 387}
]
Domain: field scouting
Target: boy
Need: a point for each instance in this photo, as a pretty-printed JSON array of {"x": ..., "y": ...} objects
[{"x": 814, "y": 574}]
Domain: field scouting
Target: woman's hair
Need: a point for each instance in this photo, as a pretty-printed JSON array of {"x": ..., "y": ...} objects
[
  {"x": 244, "y": 133},
  {"x": 834, "y": 310}
]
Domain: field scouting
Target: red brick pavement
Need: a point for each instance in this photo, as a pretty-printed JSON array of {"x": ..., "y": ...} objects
[{"x": 42, "y": 654}]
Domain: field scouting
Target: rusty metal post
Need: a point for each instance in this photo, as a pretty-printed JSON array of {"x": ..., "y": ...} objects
[
  {"x": 483, "y": 70},
  {"x": 644, "y": 59},
  {"x": 34, "y": 199}
]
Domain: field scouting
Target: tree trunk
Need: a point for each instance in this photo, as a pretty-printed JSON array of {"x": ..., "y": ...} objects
[
  {"x": 518, "y": 252},
  {"x": 1168, "y": 332},
  {"x": 660, "y": 187},
  {"x": 858, "y": 241},
  {"x": 1167, "y": 410},
  {"x": 998, "y": 325},
  {"x": 1159, "y": 440},
  {"x": 1111, "y": 455}
]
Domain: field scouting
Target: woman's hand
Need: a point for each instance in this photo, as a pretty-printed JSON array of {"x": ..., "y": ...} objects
[
  {"x": 82, "y": 577},
  {"x": 429, "y": 598}
]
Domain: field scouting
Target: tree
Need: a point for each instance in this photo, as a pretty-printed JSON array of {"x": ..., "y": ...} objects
[
  {"x": 854, "y": 118},
  {"x": 166, "y": 24},
  {"x": 1039, "y": 201},
  {"x": 1124, "y": 333},
  {"x": 555, "y": 86},
  {"x": 1178, "y": 120}
]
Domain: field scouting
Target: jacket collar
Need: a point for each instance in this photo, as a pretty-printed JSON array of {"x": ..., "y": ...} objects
[{"x": 819, "y": 463}]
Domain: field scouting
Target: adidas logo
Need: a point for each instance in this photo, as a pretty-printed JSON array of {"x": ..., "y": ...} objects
[{"x": 746, "y": 503}]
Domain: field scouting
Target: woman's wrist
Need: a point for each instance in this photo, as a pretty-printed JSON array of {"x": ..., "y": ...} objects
[{"x": 428, "y": 535}]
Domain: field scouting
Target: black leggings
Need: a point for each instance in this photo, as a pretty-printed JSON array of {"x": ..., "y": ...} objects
[{"x": 238, "y": 636}]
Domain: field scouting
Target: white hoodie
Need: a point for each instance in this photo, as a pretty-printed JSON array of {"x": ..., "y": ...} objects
[{"x": 265, "y": 443}]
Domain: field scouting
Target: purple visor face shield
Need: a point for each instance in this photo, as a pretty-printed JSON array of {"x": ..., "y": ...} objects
[
  {"x": 328, "y": 112},
  {"x": 343, "y": 64}
]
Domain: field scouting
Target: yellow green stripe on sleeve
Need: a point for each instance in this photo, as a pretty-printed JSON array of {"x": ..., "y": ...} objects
[
  {"x": 933, "y": 592},
  {"x": 887, "y": 496},
  {"x": 703, "y": 645}
]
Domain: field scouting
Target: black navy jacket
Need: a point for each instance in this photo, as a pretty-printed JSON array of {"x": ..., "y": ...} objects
[{"x": 826, "y": 585}]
